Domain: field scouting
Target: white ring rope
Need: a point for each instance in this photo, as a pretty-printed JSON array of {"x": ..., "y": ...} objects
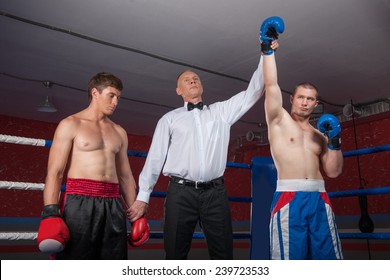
[
  {"x": 18, "y": 235},
  {"x": 19, "y": 186},
  {"x": 22, "y": 186},
  {"x": 22, "y": 140}
]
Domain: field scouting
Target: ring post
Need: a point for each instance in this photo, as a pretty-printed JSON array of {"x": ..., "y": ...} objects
[{"x": 264, "y": 177}]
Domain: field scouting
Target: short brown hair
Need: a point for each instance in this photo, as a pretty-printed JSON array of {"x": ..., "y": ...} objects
[
  {"x": 102, "y": 80},
  {"x": 305, "y": 85}
]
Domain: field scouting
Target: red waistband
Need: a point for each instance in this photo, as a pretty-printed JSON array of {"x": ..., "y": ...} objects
[{"x": 94, "y": 188}]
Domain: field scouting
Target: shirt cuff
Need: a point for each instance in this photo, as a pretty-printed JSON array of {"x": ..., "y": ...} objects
[{"x": 143, "y": 196}]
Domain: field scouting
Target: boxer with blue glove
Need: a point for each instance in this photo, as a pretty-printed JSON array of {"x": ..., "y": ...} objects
[{"x": 302, "y": 223}]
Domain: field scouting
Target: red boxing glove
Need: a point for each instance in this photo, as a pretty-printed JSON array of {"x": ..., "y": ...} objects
[
  {"x": 53, "y": 233},
  {"x": 140, "y": 232}
]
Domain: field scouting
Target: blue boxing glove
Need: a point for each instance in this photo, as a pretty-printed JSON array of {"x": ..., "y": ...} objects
[
  {"x": 269, "y": 31},
  {"x": 329, "y": 125}
]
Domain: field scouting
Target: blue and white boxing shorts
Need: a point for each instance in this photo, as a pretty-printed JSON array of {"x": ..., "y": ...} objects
[{"x": 302, "y": 224}]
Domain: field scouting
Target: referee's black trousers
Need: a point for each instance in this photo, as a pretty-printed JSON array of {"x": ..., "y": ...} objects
[{"x": 184, "y": 207}]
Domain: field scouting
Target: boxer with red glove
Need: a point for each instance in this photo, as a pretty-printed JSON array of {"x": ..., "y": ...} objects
[
  {"x": 140, "y": 232},
  {"x": 53, "y": 233},
  {"x": 329, "y": 125}
]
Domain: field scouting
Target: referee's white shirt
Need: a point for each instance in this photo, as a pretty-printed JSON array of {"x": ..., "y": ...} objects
[{"x": 194, "y": 144}]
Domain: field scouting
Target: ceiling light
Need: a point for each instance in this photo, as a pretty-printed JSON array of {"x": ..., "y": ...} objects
[{"x": 47, "y": 106}]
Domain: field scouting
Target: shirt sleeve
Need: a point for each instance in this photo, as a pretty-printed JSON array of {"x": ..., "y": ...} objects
[
  {"x": 155, "y": 159},
  {"x": 235, "y": 107}
]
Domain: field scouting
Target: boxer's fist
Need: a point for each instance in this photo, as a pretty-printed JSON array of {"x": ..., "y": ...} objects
[
  {"x": 53, "y": 233},
  {"x": 140, "y": 232},
  {"x": 329, "y": 125},
  {"x": 269, "y": 31}
]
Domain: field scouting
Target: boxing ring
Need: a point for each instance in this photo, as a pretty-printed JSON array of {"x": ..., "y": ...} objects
[{"x": 263, "y": 184}]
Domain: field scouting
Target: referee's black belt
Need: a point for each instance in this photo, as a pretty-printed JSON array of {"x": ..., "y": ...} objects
[{"x": 197, "y": 184}]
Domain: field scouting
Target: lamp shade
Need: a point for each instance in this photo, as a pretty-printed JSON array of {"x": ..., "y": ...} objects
[{"x": 47, "y": 107}]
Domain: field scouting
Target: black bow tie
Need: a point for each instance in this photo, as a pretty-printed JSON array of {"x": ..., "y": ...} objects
[{"x": 191, "y": 106}]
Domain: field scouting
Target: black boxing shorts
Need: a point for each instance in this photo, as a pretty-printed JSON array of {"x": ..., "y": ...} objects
[{"x": 94, "y": 213}]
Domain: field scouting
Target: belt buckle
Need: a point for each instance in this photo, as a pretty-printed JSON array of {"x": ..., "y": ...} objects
[{"x": 196, "y": 185}]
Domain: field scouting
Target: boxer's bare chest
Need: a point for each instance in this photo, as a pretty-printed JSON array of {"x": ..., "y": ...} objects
[{"x": 95, "y": 136}]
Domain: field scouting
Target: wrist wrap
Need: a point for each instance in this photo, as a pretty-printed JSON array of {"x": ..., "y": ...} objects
[
  {"x": 266, "y": 48},
  {"x": 51, "y": 210},
  {"x": 334, "y": 143}
]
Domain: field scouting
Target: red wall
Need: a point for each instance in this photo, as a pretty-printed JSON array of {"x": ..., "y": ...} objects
[{"x": 23, "y": 163}]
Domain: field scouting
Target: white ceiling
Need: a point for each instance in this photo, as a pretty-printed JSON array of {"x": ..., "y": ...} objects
[{"x": 341, "y": 46}]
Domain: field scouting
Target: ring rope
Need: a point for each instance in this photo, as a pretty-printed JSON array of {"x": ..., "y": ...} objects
[
  {"x": 370, "y": 191},
  {"x": 18, "y": 235},
  {"x": 153, "y": 235},
  {"x": 366, "y": 151},
  {"x": 377, "y": 235},
  {"x": 21, "y": 185},
  {"x": 199, "y": 235},
  {"x": 40, "y": 186},
  {"x": 47, "y": 143},
  {"x": 25, "y": 141}
]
